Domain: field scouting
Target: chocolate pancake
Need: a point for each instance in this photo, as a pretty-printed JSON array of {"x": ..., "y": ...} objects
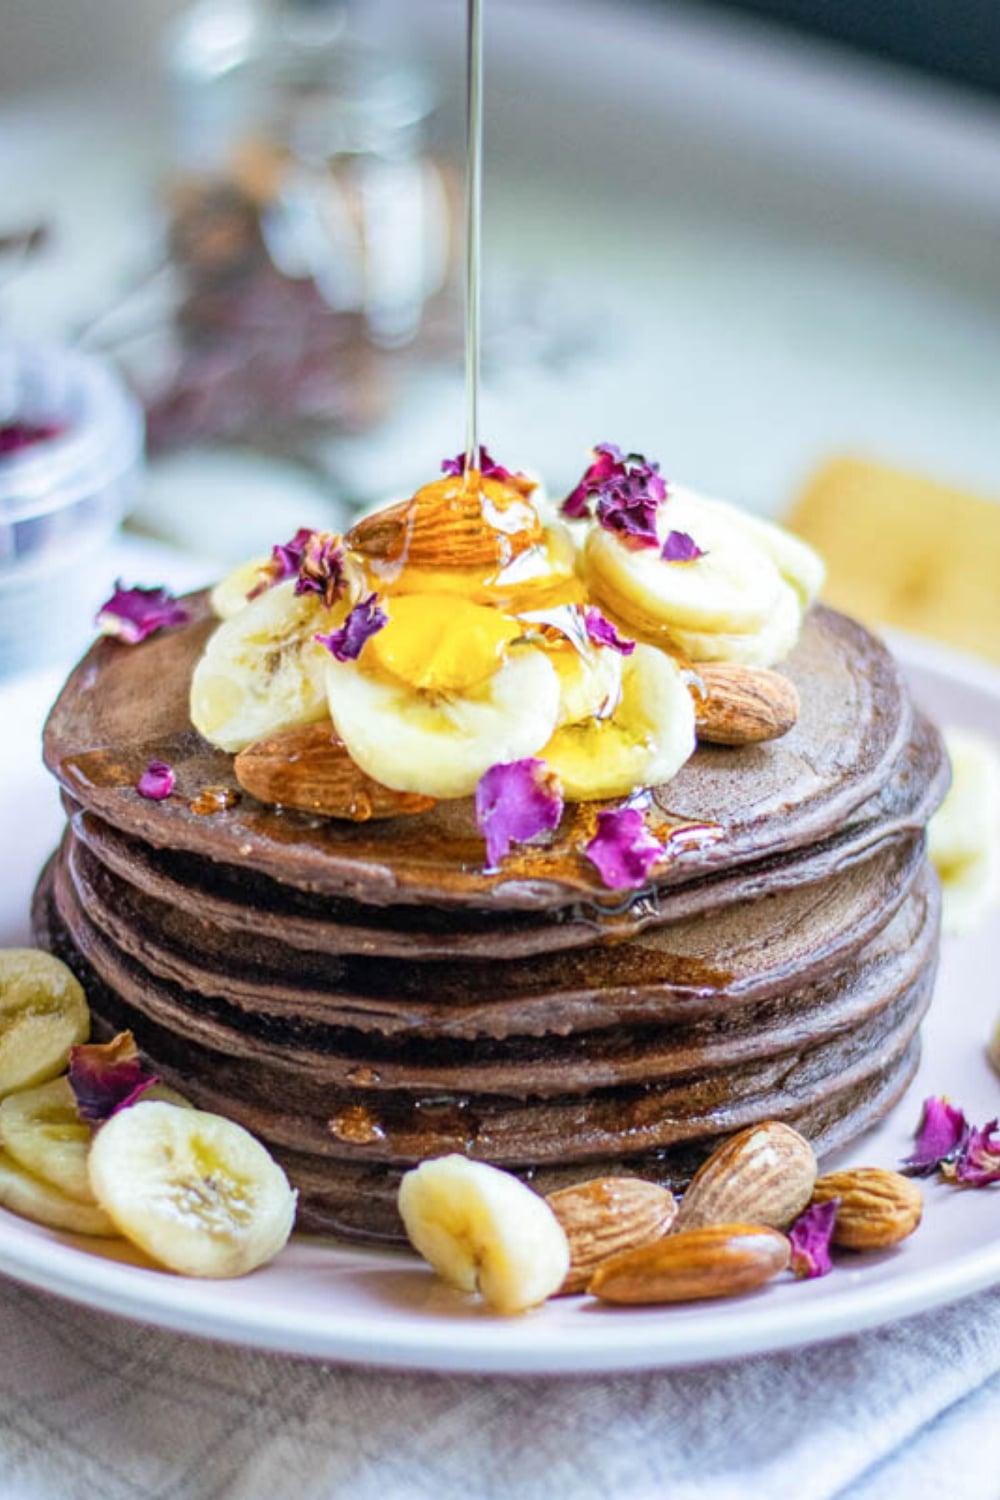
[
  {"x": 363, "y": 996},
  {"x": 123, "y": 706}
]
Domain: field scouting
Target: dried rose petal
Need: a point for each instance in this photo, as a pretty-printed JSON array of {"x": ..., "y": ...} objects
[
  {"x": 609, "y": 463},
  {"x": 623, "y": 849},
  {"x": 285, "y": 561},
  {"x": 681, "y": 548},
  {"x": 487, "y": 467},
  {"x": 156, "y": 782},
  {"x": 978, "y": 1162},
  {"x": 322, "y": 568},
  {"x": 603, "y": 633},
  {"x": 107, "y": 1077},
  {"x": 515, "y": 802},
  {"x": 364, "y": 621},
  {"x": 810, "y": 1238},
  {"x": 16, "y": 436},
  {"x": 942, "y": 1132},
  {"x": 133, "y": 614}
]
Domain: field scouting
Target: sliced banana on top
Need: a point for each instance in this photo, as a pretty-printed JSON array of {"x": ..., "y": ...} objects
[
  {"x": 484, "y": 1230},
  {"x": 733, "y": 587},
  {"x": 590, "y": 682},
  {"x": 232, "y": 593},
  {"x": 32, "y": 1198},
  {"x": 756, "y": 648},
  {"x": 194, "y": 1191},
  {"x": 797, "y": 562},
  {"x": 647, "y": 739},
  {"x": 963, "y": 837},
  {"x": 43, "y": 1013},
  {"x": 262, "y": 670},
  {"x": 440, "y": 744}
]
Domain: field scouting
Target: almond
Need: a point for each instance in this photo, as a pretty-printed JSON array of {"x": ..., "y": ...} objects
[
  {"x": 877, "y": 1208},
  {"x": 744, "y": 705},
  {"x": 605, "y": 1216},
  {"x": 310, "y": 769},
  {"x": 764, "y": 1175},
  {"x": 721, "y": 1260},
  {"x": 447, "y": 525}
]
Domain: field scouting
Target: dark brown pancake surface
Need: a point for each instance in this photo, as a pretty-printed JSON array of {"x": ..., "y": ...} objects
[{"x": 124, "y": 705}]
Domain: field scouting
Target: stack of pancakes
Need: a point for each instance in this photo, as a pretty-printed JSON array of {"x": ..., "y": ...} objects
[{"x": 365, "y": 995}]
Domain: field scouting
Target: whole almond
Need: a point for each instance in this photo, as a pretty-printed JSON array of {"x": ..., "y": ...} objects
[
  {"x": 721, "y": 1260},
  {"x": 310, "y": 769},
  {"x": 877, "y": 1208},
  {"x": 763, "y": 1175},
  {"x": 447, "y": 526},
  {"x": 743, "y": 705},
  {"x": 605, "y": 1216}
]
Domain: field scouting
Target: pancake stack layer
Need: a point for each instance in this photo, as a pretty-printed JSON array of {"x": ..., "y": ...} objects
[{"x": 362, "y": 996}]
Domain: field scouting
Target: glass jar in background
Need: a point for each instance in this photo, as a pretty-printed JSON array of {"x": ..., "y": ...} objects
[
  {"x": 311, "y": 230},
  {"x": 70, "y": 464}
]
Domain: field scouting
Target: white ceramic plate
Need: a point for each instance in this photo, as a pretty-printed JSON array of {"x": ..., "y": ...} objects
[{"x": 382, "y": 1308}]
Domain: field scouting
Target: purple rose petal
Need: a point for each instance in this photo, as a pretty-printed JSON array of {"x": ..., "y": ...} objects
[
  {"x": 364, "y": 621},
  {"x": 603, "y": 633},
  {"x": 156, "y": 782},
  {"x": 978, "y": 1162},
  {"x": 609, "y": 463},
  {"x": 942, "y": 1132},
  {"x": 108, "y": 1077},
  {"x": 810, "y": 1238},
  {"x": 133, "y": 614},
  {"x": 623, "y": 850},
  {"x": 681, "y": 548},
  {"x": 628, "y": 489},
  {"x": 285, "y": 561},
  {"x": 322, "y": 567},
  {"x": 515, "y": 802},
  {"x": 487, "y": 467}
]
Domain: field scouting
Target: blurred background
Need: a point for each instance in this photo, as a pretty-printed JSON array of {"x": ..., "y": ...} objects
[{"x": 758, "y": 240}]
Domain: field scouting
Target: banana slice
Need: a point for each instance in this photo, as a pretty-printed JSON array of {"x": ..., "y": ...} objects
[
  {"x": 262, "y": 670},
  {"x": 41, "y": 1130},
  {"x": 963, "y": 837},
  {"x": 43, "y": 1013},
  {"x": 797, "y": 562},
  {"x": 229, "y": 596},
  {"x": 590, "y": 682},
  {"x": 440, "y": 744},
  {"x": 482, "y": 1229},
  {"x": 194, "y": 1191},
  {"x": 756, "y": 648},
  {"x": 645, "y": 742},
  {"x": 733, "y": 588},
  {"x": 31, "y": 1198}
]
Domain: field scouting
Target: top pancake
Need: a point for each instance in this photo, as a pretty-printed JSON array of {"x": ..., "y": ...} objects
[{"x": 124, "y": 705}]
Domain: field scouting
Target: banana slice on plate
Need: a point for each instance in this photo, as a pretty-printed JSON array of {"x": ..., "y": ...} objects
[
  {"x": 42, "y": 1131},
  {"x": 31, "y": 1198},
  {"x": 484, "y": 1230},
  {"x": 734, "y": 587},
  {"x": 590, "y": 682},
  {"x": 262, "y": 670},
  {"x": 440, "y": 743},
  {"x": 963, "y": 837},
  {"x": 43, "y": 1013},
  {"x": 196, "y": 1192},
  {"x": 647, "y": 739}
]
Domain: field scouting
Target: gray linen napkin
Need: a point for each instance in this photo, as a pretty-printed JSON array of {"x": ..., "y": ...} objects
[{"x": 94, "y": 1406}]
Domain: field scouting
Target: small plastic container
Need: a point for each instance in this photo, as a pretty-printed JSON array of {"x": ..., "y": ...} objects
[{"x": 61, "y": 497}]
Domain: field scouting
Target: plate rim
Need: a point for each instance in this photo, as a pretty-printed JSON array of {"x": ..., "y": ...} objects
[{"x": 64, "y": 1266}]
